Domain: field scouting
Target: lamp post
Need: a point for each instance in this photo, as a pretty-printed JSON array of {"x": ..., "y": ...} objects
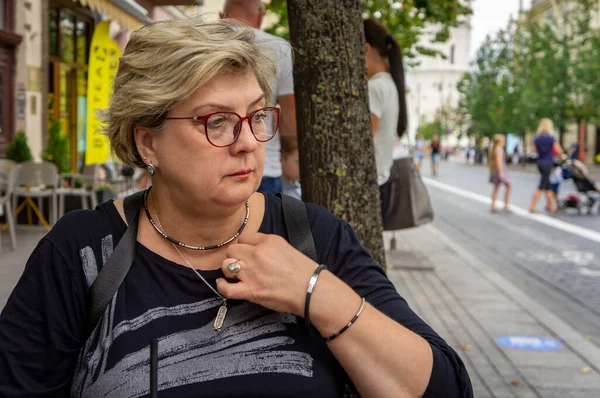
[
  {"x": 440, "y": 87},
  {"x": 418, "y": 111}
]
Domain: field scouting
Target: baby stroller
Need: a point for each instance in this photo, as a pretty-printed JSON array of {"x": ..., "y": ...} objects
[{"x": 588, "y": 191}]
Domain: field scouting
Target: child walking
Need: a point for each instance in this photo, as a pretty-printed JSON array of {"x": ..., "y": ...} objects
[
  {"x": 498, "y": 171},
  {"x": 556, "y": 178}
]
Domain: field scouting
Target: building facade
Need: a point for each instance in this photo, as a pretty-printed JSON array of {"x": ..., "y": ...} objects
[
  {"x": 432, "y": 83},
  {"x": 10, "y": 40},
  {"x": 45, "y": 49}
]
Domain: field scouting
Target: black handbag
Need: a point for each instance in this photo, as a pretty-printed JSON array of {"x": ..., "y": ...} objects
[{"x": 408, "y": 203}]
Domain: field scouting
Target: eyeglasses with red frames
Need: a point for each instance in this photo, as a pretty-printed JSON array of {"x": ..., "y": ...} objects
[{"x": 222, "y": 129}]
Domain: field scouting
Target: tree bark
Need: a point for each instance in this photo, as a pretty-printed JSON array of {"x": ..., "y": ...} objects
[{"x": 337, "y": 162}]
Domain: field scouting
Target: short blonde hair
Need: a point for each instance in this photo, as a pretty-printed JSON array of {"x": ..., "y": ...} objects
[
  {"x": 546, "y": 126},
  {"x": 164, "y": 63}
]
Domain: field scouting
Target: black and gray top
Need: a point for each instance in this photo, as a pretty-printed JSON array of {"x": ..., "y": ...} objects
[{"x": 258, "y": 353}]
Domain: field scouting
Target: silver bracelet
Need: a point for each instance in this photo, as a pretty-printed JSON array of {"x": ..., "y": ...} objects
[
  {"x": 342, "y": 330},
  {"x": 311, "y": 286}
]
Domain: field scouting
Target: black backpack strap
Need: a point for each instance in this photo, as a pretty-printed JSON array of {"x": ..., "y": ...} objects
[
  {"x": 117, "y": 266},
  {"x": 297, "y": 225}
]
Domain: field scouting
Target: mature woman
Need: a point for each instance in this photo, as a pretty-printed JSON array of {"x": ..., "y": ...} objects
[
  {"x": 191, "y": 105},
  {"x": 546, "y": 148}
]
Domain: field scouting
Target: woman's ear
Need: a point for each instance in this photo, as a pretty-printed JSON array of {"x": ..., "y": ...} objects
[
  {"x": 144, "y": 141},
  {"x": 368, "y": 48}
]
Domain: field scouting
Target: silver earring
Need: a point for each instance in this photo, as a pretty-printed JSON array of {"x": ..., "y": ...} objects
[
  {"x": 145, "y": 158},
  {"x": 151, "y": 169}
]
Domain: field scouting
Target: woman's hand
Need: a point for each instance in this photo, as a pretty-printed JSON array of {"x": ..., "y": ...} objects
[{"x": 273, "y": 273}]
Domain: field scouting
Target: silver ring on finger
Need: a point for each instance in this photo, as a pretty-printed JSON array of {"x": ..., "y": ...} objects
[{"x": 234, "y": 267}]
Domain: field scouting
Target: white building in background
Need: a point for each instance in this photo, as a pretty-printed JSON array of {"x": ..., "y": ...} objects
[
  {"x": 210, "y": 9},
  {"x": 432, "y": 84}
]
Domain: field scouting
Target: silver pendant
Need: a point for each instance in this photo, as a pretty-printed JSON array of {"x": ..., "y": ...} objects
[{"x": 220, "y": 316}]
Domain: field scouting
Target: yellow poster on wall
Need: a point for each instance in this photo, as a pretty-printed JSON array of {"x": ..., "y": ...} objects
[{"x": 102, "y": 69}]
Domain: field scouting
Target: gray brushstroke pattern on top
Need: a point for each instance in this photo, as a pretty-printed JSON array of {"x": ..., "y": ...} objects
[
  {"x": 88, "y": 260},
  {"x": 185, "y": 357}
]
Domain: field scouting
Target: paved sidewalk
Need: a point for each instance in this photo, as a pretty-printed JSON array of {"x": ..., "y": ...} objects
[{"x": 471, "y": 305}]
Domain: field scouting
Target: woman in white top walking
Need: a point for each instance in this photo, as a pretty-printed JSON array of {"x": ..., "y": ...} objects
[{"x": 386, "y": 99}]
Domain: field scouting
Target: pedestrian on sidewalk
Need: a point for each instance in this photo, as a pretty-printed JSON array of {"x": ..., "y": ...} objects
[
  {"x": 387, "y": 102},
  {"x": 235, "y": 309},
  {"x": 544, "y": 145},
  {"x": 435, "y": 148},
  {"x": 499, "y": 171},
  {"x": 420, "y": 147},
  {"x": 556, "y": 179},
  {"x": 251, "y": 14}
]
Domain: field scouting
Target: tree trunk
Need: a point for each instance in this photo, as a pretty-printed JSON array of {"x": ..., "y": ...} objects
[{"x": 337, "y": 162}]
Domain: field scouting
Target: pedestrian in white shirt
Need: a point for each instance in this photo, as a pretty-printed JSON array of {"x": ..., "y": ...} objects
[{"x": 387, "y": 104}]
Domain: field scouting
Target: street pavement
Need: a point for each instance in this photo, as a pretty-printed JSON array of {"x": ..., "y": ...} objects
[
  {"x": 483, "y": 281},
  {"x": 478, "y": 311},
  {"x": 505, "y": 274},
  {"x": 547, "y": 256},
  {"x": 475, "y": 179}
]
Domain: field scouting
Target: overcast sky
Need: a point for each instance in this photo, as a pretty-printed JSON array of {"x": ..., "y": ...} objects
[{"x": 489, "y": 16}]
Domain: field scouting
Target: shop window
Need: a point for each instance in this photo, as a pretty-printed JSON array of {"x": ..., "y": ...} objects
[
  {"x": 51, "y": 93},
  {"x": 64, "y": 99},
  {"x": 81, "y": 29},
  {"x": 70, "y": 33},
  {"x": 67, "y": 37},
  {"x": 53, "y": 31}
]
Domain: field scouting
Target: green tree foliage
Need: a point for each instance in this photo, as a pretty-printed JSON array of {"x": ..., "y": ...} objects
[
  {"x": 18, "y": 151},
  {"x": 450, "y": 118},
  {"x": 532, "y": 70},
  {"x": 427, "y": 130},
  {"x": 406, "y": 20},
  {"x": 57, "y": 151},
  {"x": 584, "y": 103}
]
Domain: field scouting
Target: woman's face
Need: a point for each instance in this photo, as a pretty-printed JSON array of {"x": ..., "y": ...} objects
[
  {"x": 368, "y": 57},
  {"x": 190, "y": 164},
  {"x": 372, "y": 59}
]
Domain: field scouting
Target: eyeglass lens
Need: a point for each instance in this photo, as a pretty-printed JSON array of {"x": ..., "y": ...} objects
[{"x": 224, "y": 128}]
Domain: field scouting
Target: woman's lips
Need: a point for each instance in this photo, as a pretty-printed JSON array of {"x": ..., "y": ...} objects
[{"x": 241, "y": 173}]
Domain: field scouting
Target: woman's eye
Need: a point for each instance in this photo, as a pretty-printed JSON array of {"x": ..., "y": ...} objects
[
  {"x": 215, "y": 123},
  {"x": 260, "y": 117}
]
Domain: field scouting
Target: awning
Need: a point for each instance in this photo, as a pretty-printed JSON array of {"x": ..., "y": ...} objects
[{"x": 118, "y": 11}]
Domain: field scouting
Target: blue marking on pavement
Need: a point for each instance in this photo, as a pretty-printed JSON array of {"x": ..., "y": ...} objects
[{"x": 530, "y": 343}]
